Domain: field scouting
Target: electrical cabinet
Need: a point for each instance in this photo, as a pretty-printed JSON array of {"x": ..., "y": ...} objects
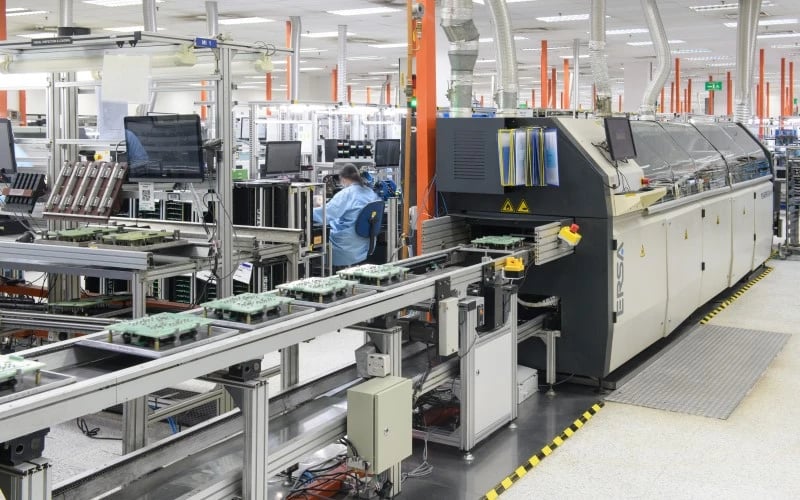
[{"x": 379, "y": 421}]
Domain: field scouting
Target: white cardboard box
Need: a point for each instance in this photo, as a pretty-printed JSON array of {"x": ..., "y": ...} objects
[{"x": 527, "y": 382}]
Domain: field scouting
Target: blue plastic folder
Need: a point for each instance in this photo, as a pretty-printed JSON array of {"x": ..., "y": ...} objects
[
  {"x": 505, "y": 151},
  {"x": 535, "y": 141},
  {"x": 551, "y": 157}
]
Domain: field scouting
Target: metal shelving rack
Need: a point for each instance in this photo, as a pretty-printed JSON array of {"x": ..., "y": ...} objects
[{"x": 792, "y": 201}]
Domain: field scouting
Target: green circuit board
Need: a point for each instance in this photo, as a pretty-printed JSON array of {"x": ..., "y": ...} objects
[
  {"x": 82, "y": 233},
  {"x": 498, "y": 242},
  {"x": 248, "y": 303},
  {"x": 137, "y": 238},
  {"x": 160, "y": 329},
  {"x": 374, "y": 273},
  {"x": 320, "y": 286},
  {"x": 12, "y": 367}
]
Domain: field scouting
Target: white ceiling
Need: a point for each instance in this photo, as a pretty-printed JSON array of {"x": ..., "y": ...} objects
[{"x": 698, "y": 30}]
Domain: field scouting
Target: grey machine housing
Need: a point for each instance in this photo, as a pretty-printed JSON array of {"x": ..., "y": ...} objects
[{"x": 650, "y": 255}]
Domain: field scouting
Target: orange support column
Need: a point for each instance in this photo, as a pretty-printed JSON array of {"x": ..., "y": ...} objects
[
  {"x": 761, "y": 60},
  {"x": 689, "y": 96},
  {"x": 23, "y": 108},
  {"x": 543, "y": 67},
  {"x": 783, "y": 86},
  {"x": 565, "y": 96},
  {"x": 481, "y": 101},
  {"x": 619, "y": 100},
  {"x": 426, "y": 117},
  {"x": 711, "y": 97},
  {"x": 268, "y": 87},
  {"x": 552, "y": 88},
  {"x": 672, "y": 97},
  {"x": 766, "y": 102},
  {"x": 661, "y": 101},
  {"x": 203, "y": 98},
  {"x": 791, "y": 87},
  {"x": 594, "y": 96},
  {"x": 678, "y": 108},
  {"x": 729, "y": 86},
  {"x": 388, "y": 94},
  {"x": 349, "y": 93},
  {"x": 533, "y": 98},
  {"x": 288, "y": 61},
  {"x": 369, "y": 95},
  {"x": 334, "y": 84}
]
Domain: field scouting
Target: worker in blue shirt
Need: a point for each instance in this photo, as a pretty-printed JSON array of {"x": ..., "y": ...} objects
[
  {"x": 342, "y": 211},
  {"x": 137, "y": 155}
]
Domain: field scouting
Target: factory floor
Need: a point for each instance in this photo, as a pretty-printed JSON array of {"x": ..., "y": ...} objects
[{"x": 634, "y": 452}]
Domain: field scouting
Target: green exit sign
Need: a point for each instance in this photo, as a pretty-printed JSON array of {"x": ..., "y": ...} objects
[{"x": 713, "y": 85}]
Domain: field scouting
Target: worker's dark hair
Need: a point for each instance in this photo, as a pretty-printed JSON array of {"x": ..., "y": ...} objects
[{"x": 351, "y": 173}]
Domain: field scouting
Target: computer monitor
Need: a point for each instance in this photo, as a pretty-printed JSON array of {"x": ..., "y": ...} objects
[
  {"x": 8, "y": 160},
  {"x": 619, "y": 138},
  {"x": 387, "y": 152},
  {"x": 282, "y": 157},
  {"x": 164, "y": 148}
]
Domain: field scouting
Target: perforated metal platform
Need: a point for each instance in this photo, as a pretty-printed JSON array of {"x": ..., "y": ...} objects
[{"x": 706, "y": 373}]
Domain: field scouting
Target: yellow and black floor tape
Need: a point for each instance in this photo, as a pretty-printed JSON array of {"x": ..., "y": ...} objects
[
  {"x": 730, "y": 300},
  {"x": 532, "y": 462}
]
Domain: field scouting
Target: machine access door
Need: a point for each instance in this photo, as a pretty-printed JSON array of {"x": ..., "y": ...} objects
[
  {"x": 763, "y": 223},
  {"x": 684, "y": 262},
  {"x": 716, "y": 264},
  {"x": 743, "y": 231}
]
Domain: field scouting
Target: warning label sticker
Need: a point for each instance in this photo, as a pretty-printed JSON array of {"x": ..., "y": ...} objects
[
  {"x": 508, "y": 207},
  {"x": 523, "y": 208}
]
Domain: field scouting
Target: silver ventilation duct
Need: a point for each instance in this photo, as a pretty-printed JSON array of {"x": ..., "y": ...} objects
[
  {"x": 506, "y": 94},
  {"x": 597, "y": 52},
  {"x": 212, "y": 18},
  {"x": 663, "y": 58},
  {"x": 746, "y": 31},
  {"x": 294, "y": 63},
  {"x": 149, "y": 12},
  {"x": 460, "y": 29},
  {"x": 65, "y": 13}
]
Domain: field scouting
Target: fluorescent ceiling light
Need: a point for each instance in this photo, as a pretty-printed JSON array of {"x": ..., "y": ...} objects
[
  {"x": 389, "y": 45},
  {"x": 38, "y": 35},
  {"x": 768, "y": 22},
  {"x": 310, "y": 69},
  {"x": 779, "y": 35},
  {"x": 484, "y": 74},
  {"x": 489, "y": 39},
  {"x": 642, "y": 44},
  {"x": 724, "y": 6},
  {"x": 313, "y": 50},
  {"x": 363, "y": 12},
  {"x": 245, "y": 20},
  {"x": 365, "y": 79},
  {"x": 483, "y": 2},
  {"x": 485, "y": 61},
  {"x": 539, "y": 49},
  {"x": 128, "y": 29},
  {"x": 691, "y": 51},
  {"x": 15, "y": 9},
  {"x": 627, "y": 31},
  {"x": 382, "y": 73},
  {"x": 25, "y": 13},
  {"x": 563, "y": 19},
  {"x": 707, "y": 58},
  {"x": 324, "y": 34},
  {"x": 582, "y": 56},
  {"x": 787, "y": 46},
  {"x": 116, "y": 3},
  {"x": 246, "y": 87},
  {"x": 722, "y": 65},
  {"x": 364, "y": 58}
]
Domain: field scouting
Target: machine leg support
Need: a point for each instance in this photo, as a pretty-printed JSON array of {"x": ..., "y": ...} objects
[
  {"x": 255, "y": 409},
  {"x": 134, "y": 425},
  {"x": 26, "y": 481}
]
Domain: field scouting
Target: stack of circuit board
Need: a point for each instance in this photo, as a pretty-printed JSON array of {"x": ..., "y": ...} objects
[
  {"x": 138, "y": 238},
  {"x": 249, "y": 307},
  {"x": 26, "y": 189},
  {"x": 160, "y": 330},
  {"x": 498, "y": 242},
  {"x": 375, "y": 274},
  {"x": 86, "y": 191},
  {"x": 88, "y": 306},
  {"x": 13, "y": 368},
  {"x": 81, "y": 234},
  {"x": 321, "y": 290}
]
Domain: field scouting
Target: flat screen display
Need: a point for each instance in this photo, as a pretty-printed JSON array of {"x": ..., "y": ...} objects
[
  {"x": 8, "y": 160},
  {"x": 387, "y": 152},
  {"x": 331, "y": 149},
  {"x": 619, "y": 138},
  {"x": 282, "y": 157},
  {"x": 164, "y": 148}
]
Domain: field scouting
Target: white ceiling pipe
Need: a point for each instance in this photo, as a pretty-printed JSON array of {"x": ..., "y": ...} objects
[
  {"x": 663, "y": 58},
  {"x": 507, "y": 91},
  {"x": 746, "y": 32},
  {"x": 597, "y": 52},
  {"x": 149, "y": 14}
]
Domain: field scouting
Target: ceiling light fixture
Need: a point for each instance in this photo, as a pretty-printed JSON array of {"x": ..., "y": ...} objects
[
  {"x": 707, "y": 58},
  {"x": 382, "y": 73},
  {"x": 787, "y": 46},
  {"x": 767, "y": 22},
  {"x": 582, "y": 56},
  {"x": 25, "y": 13},
  {"x": 489, "y": 39},
  {"x": 245, "y": 20},
  {"x": 310, "y": 69},
  {"x": 563, "y": 19},
  {"x": 722, "y": 65},
  {"x": 364, "y": 12},
  {"x": 324, "y": 34},
  {"x": 15, "y": 9},
  {"x": 691, "y": 51},
  {"x": 389, "y": 45},
  {"x": 38, "y": 35},
  {"x": 313, "y": 50},
  {"x": 128, "y": 29},
  {"x": 627, "y": 31},
  {"x": 116, "y": 3},
  {"x": 642, "y": 44},
  {"x": 365, "y": 58},
  {"x": 539, "y": 49},
  {"x": 485, "y": 61},
  {"x": 779, "y": 35},
  {"x": 724, "y": 6}
]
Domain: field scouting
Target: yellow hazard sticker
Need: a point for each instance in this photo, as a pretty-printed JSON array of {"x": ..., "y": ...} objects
[
  {"x": 508, "y": 207},
  {"x": 523, "y": 208},
  {"x": 641, "y": 252}
]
